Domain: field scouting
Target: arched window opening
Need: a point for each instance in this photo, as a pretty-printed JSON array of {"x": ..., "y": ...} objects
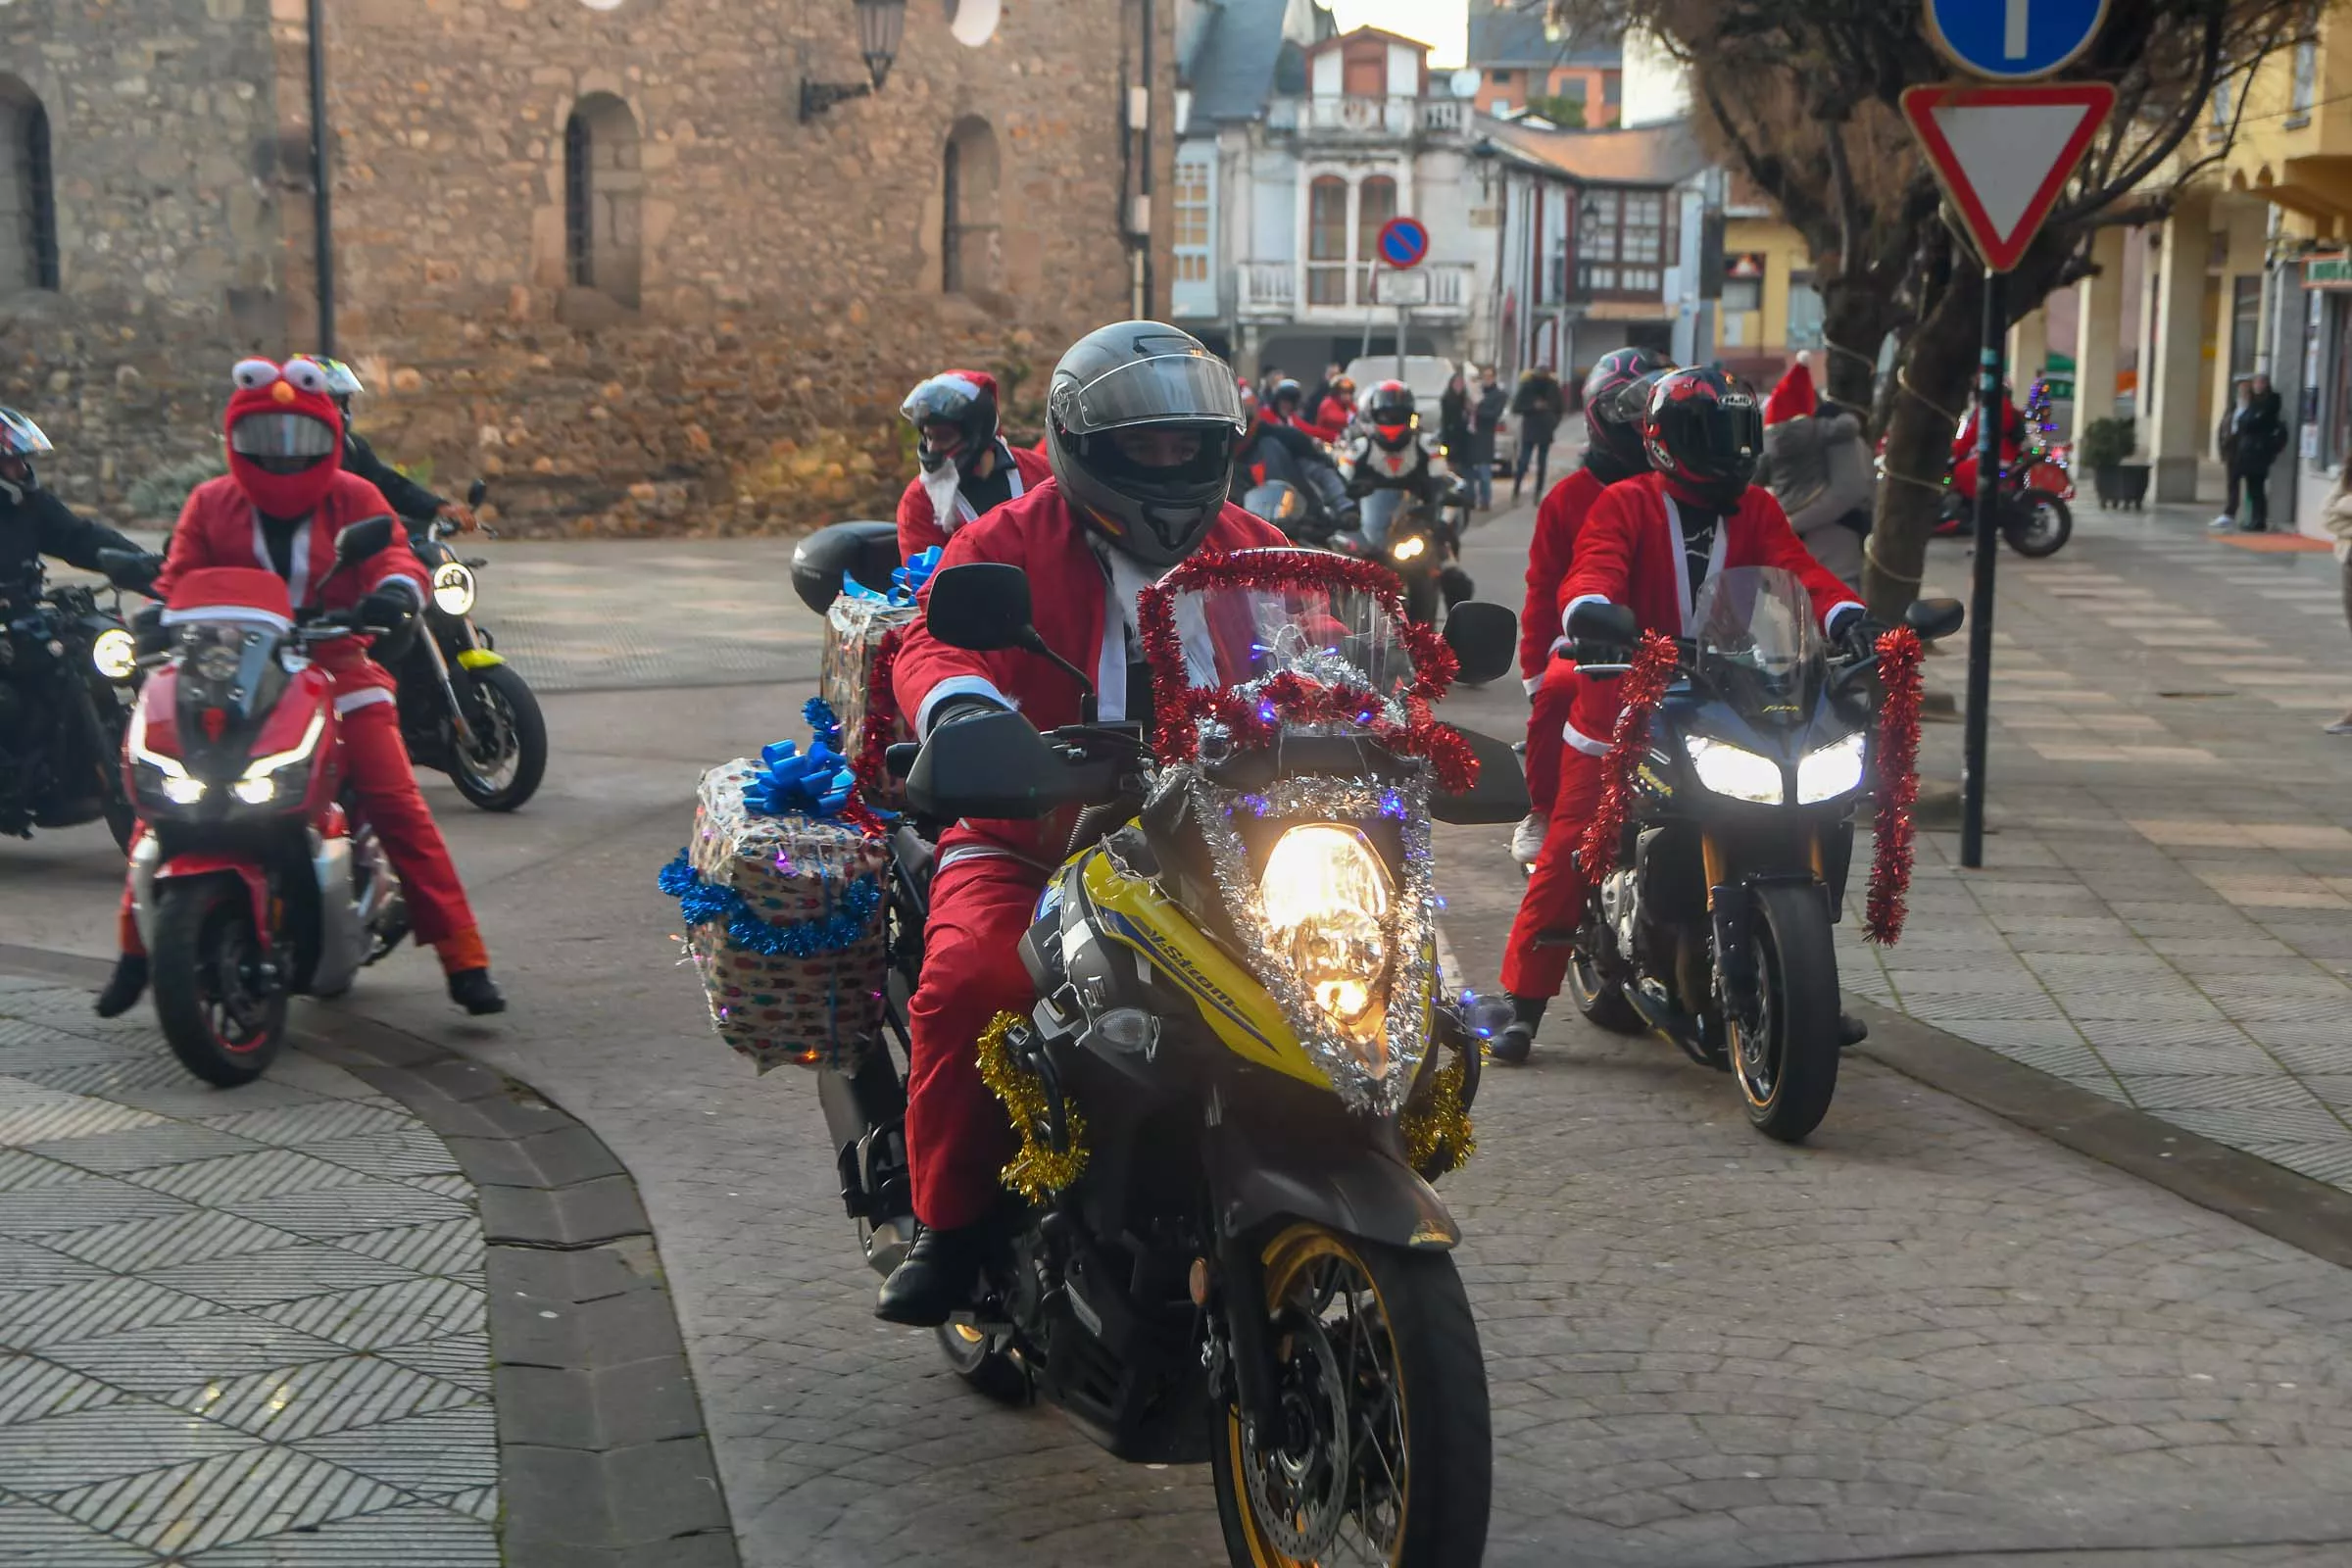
[
  {"x": 971, "y": 239},
  {"x": 28, "y": 192},
  {"x": 603, "y": 190},
  {"x": 1327, "y": 241}
]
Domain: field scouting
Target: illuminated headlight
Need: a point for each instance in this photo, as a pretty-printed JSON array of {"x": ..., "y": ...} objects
[
  {"x": 1735, "y": 770},
  {"x": 154, "y": 769},
  {"x": 182, "y": 790},
  {"x": 258, "y": 784},
  {"x": 1326, "y": 897},
  {"x": 115, "y": 653},
  {"x": 1830, "y": 771},
  {"x": 453, "y": 588},
  {"x": 1409, "y": 548}
]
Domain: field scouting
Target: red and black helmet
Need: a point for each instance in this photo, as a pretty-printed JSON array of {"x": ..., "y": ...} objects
[
  {"x": 965, "y": 400},
  {"x": 1705, "y": 433},
  {"x": 1388, "y": 410},
  {"x": 1617, "y": 402}
]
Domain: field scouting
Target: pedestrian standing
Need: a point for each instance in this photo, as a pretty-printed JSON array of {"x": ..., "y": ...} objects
[
  {"x": 2252, "y": 435},
  {"x": 1453, "y": 417},
  {"x": 1538, "y": 403},
  {"x": 1486, "y": 420},
  {"x": 1320, "y": 392},
  {"x": 2338, "y": 515}
]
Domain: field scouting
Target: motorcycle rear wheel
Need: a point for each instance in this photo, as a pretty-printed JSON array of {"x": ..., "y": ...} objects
[
  {"x": 218, "y": 1023},
  {"x": 1602, "y": 1002},
  {"x": 1378, "y": 1347},
  {"x": 504, "y": 782},
  {"x": 1786, "y": 1062},
  {"x": 2038, "y": 525},
  {"x": 997, "y": 1374}
]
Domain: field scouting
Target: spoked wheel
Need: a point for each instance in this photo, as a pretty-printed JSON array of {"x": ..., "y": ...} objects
[
  {"x": 503, "y": 767},
  {"x": 1382, "y": 1455},
  {"x": 1786, "y": 1053},
  {"x": 2040, "y": 524},
  {"x": 973, "y": 1356},
  {"x": 223, "y": 1016}
]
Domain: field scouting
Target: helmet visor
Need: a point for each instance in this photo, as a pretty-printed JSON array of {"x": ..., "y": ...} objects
[
  {"x": 1168, "y": 388},
  {"x": 342, "y": 381},
  {"x": 1626, "y": 404},
  {"x": 19, "y": 437},
  {"x": 944, "y": 399},
  {"x": 281, "y": 435}
]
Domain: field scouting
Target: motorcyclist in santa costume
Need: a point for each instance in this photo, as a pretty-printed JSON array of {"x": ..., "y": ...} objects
[
  {"x": 968, "y": 467},
  {"x": 1391, "y": 462},
  {"x": 1141, "y": 424},
  {"x": 1651, "y": 543},
  {"x": 1616, "y": 399},
  {"x": 281, "y": 506}
]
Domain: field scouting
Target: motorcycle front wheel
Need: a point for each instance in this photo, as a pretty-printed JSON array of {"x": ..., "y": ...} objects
[
  {"x": 2038, "y": 525},
  {"x": 1384, "y": 1452},
  {"x": 504, "y": 769},
  {"x": 223, "y": 1023},
  {"x": 1785, "y": 1054}
]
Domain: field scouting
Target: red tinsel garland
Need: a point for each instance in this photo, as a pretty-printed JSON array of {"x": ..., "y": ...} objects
[
  {"x": 1638, "y": 692},
  {"x": 874, "y": 736},
  {"x": 1897, "y": 753},
  {"x": 1180, "y": 706}
]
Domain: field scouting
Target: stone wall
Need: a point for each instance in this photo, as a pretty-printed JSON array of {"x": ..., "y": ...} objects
[
  {"x": 787, "y": 283},
  {"x": 170, "y": 185}
]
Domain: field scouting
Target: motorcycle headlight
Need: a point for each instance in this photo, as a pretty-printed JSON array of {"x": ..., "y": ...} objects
[
  {"x": 115, "y": 653},
  {"x": 1735, "y": 770},
  {"x": 1409, "y": 548},
  {"x": 1830, "y": 772},
  {"x": 258, "y": 784},
  {"x": 453, "y": 588},
  {"x": 159, "y": 774},
  {"x": 1326, "y": 897}
]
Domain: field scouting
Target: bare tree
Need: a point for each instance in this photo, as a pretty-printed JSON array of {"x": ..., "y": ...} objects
[{"x": 1802, "y": 97}]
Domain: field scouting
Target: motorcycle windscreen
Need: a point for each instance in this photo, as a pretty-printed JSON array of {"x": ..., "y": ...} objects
[
  {"x": 1759, "y": 646},
  {"x": 1329, "y": 634}
]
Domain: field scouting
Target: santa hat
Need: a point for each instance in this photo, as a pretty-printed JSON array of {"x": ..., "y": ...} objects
[{"x": 1793, "y": 397}]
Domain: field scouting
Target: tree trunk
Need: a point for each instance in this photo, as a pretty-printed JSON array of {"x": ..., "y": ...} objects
[
  {"x": 1854, "y": 322},
  {"x": 1937, "y": 362}
]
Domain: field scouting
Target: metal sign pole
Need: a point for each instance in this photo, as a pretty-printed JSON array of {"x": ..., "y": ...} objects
[
  {"x": 1403, "y": 310},
  {"x": 1989, "y": 415}
]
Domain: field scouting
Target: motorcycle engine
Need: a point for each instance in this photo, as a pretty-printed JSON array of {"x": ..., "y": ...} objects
[{"x": 1620, "y": 905}]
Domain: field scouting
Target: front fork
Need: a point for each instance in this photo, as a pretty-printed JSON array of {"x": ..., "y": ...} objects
[
  {"x": 1730, "y": 912},
  {"x": 450, "y": 700}
]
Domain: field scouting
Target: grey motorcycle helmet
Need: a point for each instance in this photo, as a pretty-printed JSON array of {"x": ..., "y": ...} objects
[{"x": 1134, "y": 376}]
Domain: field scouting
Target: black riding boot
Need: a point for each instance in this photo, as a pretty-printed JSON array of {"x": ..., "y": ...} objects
[
  {"x": 125, "y": 987},
  {"x": 475, "y": 992},
  {"x": 935, "y": 1280},
  {"x": 1518, "y": 1037}
]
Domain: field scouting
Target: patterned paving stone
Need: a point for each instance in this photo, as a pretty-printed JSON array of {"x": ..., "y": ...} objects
[
  {"x": 416, "y": 1535},
  {"x": 300, "y": 1401},
  {"x": 378, "y": 1315},
  {"x": 57, "y": 1453},
  {"x": 252, "y": 1492},
  {"x": 289, "y": 1274},
  {"x": 32, "y": 1388}
]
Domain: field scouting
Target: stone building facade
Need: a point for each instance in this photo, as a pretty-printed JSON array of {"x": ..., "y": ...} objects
[{"x": 583, "y": 248}]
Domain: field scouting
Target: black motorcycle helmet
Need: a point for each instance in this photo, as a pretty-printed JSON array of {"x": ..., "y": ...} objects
[
  {"x": 20, "y": 441},
  {"x": 1288, "y": 395},
  {"x": 963, "y": 399},
  {"x": 1617, "y": 401},
  {"x": 1141, "y": 424},
  {"x": 1388, "y": 410},
  {"x": 1704, "y": 432},
  {"x": 866, "y": 551}
]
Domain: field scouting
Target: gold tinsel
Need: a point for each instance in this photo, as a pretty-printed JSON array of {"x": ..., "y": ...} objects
[
  {"x": 1438, "y": 1134},
  {"x": 1039, "y": 1168}
]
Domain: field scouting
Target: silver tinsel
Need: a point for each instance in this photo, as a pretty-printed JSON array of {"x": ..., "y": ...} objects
[{"x": 1412, "y": 924}]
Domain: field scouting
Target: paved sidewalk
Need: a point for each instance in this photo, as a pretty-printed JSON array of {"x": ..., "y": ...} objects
[
  {"x": 2165, "y": 915},
  {"x": 236, "y": 1328}
]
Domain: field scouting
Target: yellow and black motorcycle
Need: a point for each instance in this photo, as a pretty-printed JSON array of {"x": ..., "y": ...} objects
[{"x": 1242, "y": 1070}]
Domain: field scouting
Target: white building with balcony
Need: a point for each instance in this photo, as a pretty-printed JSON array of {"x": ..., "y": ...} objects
[{"x": 1296, "y": 143}]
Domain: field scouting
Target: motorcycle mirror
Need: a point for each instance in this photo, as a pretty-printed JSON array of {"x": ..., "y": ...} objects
[
  {"x": 1934, "y": 618},
  {"x": 980, "y": 607},
  {"x": 476, "y": 491},
  {"x": 1484, "y": 638},
  {"x": 1501, "y": 793},
  {"x": 1596, "y": 622},
  {"x": 363, "y": 539},
  {"x": 992, "y": 765}
]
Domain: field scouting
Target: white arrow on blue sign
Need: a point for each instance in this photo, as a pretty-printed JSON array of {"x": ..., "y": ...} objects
[{"x": 2014, "y": 40}]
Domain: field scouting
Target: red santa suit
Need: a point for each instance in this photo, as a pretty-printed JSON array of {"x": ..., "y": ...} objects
[
  {"x": 222, "y": 525},
  {"x": 1550, "y": 680},
  {"x": 934, "y": 504},
  {"x": 986, "y": 889},
  {"x": 1631, "y": 552},
  {"x": 1330, "y": 421},
  {"x": 1964, "y": 447}
]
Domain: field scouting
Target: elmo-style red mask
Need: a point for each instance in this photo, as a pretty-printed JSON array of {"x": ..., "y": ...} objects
[{"x": 285, "y": 436}]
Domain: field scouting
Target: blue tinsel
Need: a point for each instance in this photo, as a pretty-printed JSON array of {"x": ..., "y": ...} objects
[
  {"x": 905, "y": 583},
  {"x": 700, "y": 902},
  {"x": 824, "y": 725}
]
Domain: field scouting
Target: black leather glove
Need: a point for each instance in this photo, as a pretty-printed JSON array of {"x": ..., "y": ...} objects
[
  {"x": 963, "y": 706},
  {"x": 387, "y": 611},
  {"x": 1858, "y": 635}
]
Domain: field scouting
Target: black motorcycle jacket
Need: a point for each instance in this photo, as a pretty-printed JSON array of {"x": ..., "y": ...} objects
[
  {"x": 43, "y": 525},
  {"x": 409, "y": 499},
  {"x": 1281, "y": 454}
]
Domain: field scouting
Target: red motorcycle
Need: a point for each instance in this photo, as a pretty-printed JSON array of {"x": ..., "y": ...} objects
[
  {"x": 251, "y": 879},
  {"x": 2031, "y": 506}
]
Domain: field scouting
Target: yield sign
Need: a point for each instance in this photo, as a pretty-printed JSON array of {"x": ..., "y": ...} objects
[{"x": 2003, "y": 154}]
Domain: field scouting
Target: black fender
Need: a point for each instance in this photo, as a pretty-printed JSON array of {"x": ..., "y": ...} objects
[{"x": 1358, "y": 1187}]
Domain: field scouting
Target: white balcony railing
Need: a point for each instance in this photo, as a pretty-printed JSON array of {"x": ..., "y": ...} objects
[
  {"x": 1329, "y": 291},
  {"x": 1366, "y": 116}
]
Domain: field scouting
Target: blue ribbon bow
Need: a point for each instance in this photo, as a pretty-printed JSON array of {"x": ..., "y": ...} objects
[
  {"x": 793, "y": 783},
  {"x": 905, "y": 583}
]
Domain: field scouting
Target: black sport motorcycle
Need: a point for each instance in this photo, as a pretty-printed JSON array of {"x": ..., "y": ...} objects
[
  {"x": 69, "y": 677},
  {"x": 1424, "y": 544},
  {"x": 1227, "y": 1249},
  {"x": 464, "y": 710},
  {"x": 1713, "y": 929}
]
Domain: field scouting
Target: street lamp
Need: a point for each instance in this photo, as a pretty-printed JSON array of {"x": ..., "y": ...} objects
[{"x": 880, "y": 24}]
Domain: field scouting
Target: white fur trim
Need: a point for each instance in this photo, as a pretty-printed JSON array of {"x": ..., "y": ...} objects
[
  {"x": 1569, "y": 608},
  {"x": 956, "y": 686},
  {"x": 402, "y": 580},
  {"x": 1837, "y": 612},
  {"x": 1584, "y": 742},
  {"x": 242, "y": 614},
  {"x": 1533, "y": 683},
  {"x": 366, "y": 697},
  {"x": 1681, "y": 558}
]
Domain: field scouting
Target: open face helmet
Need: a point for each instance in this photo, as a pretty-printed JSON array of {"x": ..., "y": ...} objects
[
  {"x": 1616, "y": 403},
  {"x": 1388, "y": 410},
  {"x": 1141, "y": 425},
  {"x": 20, "y": 441},
  {"x": 1705, "y": 433},
  {"x": 956, "y": 412}
]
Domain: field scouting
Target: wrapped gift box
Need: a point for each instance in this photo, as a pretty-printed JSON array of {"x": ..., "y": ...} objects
[
  {"x": 785, "y": 925},
  {"x": 855, "y": 629}
]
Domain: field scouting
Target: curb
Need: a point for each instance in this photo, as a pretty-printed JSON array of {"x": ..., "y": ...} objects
[
  {"x": 2304, "y": 1213},
  {"x": 604, "y": 1458}
]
